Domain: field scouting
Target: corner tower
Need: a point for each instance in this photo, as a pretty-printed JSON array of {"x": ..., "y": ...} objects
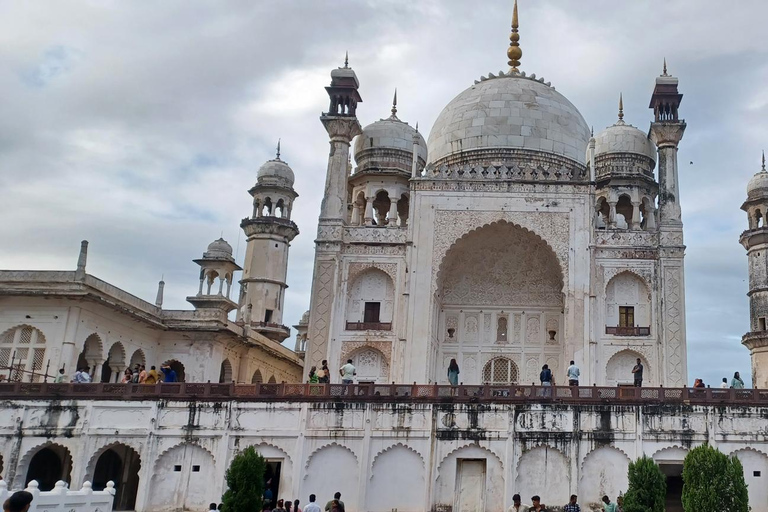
[
  {"x": 666, "y": 132},
  {"x": 755, "y": 241},
  {"x": 269, "y": 232}
]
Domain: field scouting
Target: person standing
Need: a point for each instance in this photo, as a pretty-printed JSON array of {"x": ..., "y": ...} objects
[
  {"x": 288, "y": 505},
  {"x": 736, "y": 382},
  {"x": 537, "y": 505},
  {"x": 296, "y": 506},
  {"x": 724, "y": 384},
  {"x": 19, "y": 501},
  {"x": 607, "y": 505},
  {"x": 324, "y": 375},
  {"x": 517, "y": 506},
  {"x": 61, "y": 377},
  {"x": 347, "y": 372},
  {"x": 212, "y": 507},
  {"x": 336, "y": 498},
  {"x": 152, "y": 377},
  {"x": 572, "y": 505},
  {"x": 313, "y": 378},
  {"x": 453, "y": 373},
  {"x": 142, "y": 374},
  {"x": 279, "y": 507},
  {"x": 312, "y": 506},
  {"x": 127, "y": 376},
  {"x": 82, "y": 376},
  {"x": 573, "y": 374},
  {"x": 545, "y": 377},
  {"x": 637, "y": 371}
]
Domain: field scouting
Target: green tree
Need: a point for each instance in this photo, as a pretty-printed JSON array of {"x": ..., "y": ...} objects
[
  {"x": 713, "y": 482},
  {"x": 245, "y": 482},
  {"x": 647, "y": 487}
]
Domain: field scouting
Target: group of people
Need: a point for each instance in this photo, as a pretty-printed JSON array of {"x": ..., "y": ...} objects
[
  {"x": 19, "y": 501},
  {"x": 736, "y": 383},
  {"x": 139, "y": 375},
  {"x": 323, "y": 375},
  {"x": 571, "y": 506},
  {"x": 334, "y": 505}
]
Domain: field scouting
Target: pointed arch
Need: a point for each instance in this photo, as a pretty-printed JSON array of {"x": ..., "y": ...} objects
[
  {"x": 225, "y": 372},
  {"x": 469, "y": 445},
  {"x": 257, "y": 377},
  {"x": 138, "y": 357},
  {"x": 23, "y": 346},
  {"x": 326, "y": 445},
  {"x": 47, "y": 463},
  {"x": 389, "y": 449},
  {"x": 116, "y": 355},
  {"x": 603, "y": 472}
]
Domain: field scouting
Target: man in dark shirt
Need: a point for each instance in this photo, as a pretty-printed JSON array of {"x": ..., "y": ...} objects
[
  {"x": 572, "y": 506},
  {"x": 637, "y": 371}
]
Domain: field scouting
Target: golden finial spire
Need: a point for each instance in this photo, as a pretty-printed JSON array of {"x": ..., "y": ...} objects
[
  {"x": 514, "y": 52},
  {"x": 278, "y": 149},
  {"x": 394, "y": 105},
  {"x": 664, "y": 73},
  {"x": 621, "y": 107}
]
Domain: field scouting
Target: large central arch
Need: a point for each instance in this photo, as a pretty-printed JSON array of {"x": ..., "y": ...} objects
[{"x": 499, "y": 289}]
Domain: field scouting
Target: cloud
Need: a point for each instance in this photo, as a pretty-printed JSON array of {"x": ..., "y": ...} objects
[{"x": 142, "y": 129}]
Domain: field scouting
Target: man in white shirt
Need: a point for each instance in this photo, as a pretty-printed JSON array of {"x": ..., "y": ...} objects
[
  {"x": 347, "y": 372},
  {"x": 724, "y": 384},
  {"x": 312, "y": 506},
  {"x": 573, "y": 374},
  {"x": 517, "y": 506}
]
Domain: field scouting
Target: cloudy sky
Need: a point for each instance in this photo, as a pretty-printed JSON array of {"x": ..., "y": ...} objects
[{"x": 140, "y": 128}]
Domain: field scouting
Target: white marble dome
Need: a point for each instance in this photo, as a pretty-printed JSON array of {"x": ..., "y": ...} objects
[
  {"x": 219, "y": 249},
  {"x": 509, "y": 112},
  {"x": 276, "y": 171},
  {"x": 758, "y": 185},
  {"x": 390, "y": 134},
  {"x": 624, "y": 138}
]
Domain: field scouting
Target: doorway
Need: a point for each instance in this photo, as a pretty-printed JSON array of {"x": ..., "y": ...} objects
[
  {"x": 674, "y": 474},
  {"x": 470, "y": 488},
  {"x": 48, "y": 466},
  {"x": 272, "y": 479},
  {"x": 120, "y": 464}
]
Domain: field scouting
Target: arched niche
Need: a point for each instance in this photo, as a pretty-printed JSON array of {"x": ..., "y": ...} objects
[
  {"x": 544, "y": 467},
  {"x": 257, "y": 377},
  {"x": 182, "y": 479},
  {"x": 370, "y": 298},
  {"x": 225, "y": 372},
  {"x": 120, "y": 464},
  {"x": 342, "y": 478},
  {"x": 476, "y": 469},
  {"x": 371, "y": 365},
  {"x": 23, "y": 347},
  {"x": 49, "y": 464},
  {"x": 755, "y": 466},
  {"x": 603, "y": 473},
  {"x": 627, "y": 302},
  {"x": 618, "y": 370},
  {"x": 398, "y": 468}
]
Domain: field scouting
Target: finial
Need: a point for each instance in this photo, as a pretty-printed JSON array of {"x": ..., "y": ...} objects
[
  {"x": 417, "y": 127},
  {"x": 514, "y": 52},
  {"x": 346, "y": 60},
  {"x": 665, "y": 68},
  {"x": 278, "y": 149},
  {"x": 394, "y": 106},
  {"x": 592, "y": 131},
  {"x": 621, "y": 107},
  {"x": 763, "y": 161}
]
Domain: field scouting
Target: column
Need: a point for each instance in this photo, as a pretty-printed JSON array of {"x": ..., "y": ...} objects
[
  {"x": 650, "y": 219},
  {"x": 355, "y": 214},
  {"x": 612, "y": 215},
  {"x": 635, "y": 216},
  {"x": 368, "y": 211},
  {"x": 392, "y": 217}
]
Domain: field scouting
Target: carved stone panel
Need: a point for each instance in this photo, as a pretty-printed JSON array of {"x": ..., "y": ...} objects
[{"x": 320, "y": 316}]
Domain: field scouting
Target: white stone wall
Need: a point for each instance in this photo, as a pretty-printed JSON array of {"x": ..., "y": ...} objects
[{"x": 407, "y": 456}]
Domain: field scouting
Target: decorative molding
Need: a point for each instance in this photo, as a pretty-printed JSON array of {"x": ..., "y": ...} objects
[
  {"x": 673, "y": 326},
  {"x": 374, "y": 250},
  {"x": 357, "y": 268},
  {"x": 645, "y": 239},
  {"x": 644, "y": 273},
  {"x": 374, "y": 235},
  {"x": 348, "y": 348},
  {"x": 320, "y": 317}
]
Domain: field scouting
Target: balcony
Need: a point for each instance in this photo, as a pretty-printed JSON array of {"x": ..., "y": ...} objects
[
  {"x": 369, "y": 326},
  {"x": 628, "y": 331}
]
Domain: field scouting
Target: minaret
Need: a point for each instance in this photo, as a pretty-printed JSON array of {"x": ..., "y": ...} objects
[
  {"x": 342, "y": 126},
  {"x": 666, "y": 132},
  {"x": 755, "y": 241},
  {"x": 217, "y": 268},
  {"x": 268, "y": 232}
]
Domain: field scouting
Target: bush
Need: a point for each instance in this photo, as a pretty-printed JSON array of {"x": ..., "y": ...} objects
[
  {"x": 245, "y": 480},
  {"x": 713, "y": 482},
  {"x": 647, "y": 487}
]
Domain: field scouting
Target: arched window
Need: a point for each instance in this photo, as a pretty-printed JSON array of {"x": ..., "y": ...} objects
[
  {"x": 23, "y": 347},
  {"x": 257, "y": 378},
  {"x": 501, "y": 329},
  {"x": 370, "y": 301},
  {"x": 500, "y": 370},
  {"x": 627, "y": 306},
  {"x": 625, "y": 209},
  {"x": 225, "y": 374}
]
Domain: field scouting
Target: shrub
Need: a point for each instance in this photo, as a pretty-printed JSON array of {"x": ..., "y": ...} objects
[
  {"x": 647, "y": 487},
  {"x": 245, "y": 482},
  {"x": 713, "y": 482}
]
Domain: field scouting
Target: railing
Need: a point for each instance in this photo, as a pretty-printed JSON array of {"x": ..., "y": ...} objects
[
  {"x": 271, "y": 325},
  {"x": 628, "y": 331},
  {"x": 62, "y": 499},
  {"x": 369, "y": 326},
  {"x": 369, "y": 392}
]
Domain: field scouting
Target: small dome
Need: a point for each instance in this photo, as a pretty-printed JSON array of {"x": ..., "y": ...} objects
[
  {"x": 510, "y": 111},
  {"x": 304, "y": 318},
  {"x": 276, "y": 172},
  {"x": 390, "y": 134},
  {"x": 219, "y": 249},
  {"x": 758, "y": 185},
  {"x": 624, "y": 138}
]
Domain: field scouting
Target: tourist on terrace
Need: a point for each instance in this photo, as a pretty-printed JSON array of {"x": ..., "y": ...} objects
[
  {"x": 637, "y": 371},
  {"x": 453, "y": 373},
  {"x": 698, "y": 383},
  {"x": 572, "y": 506},
  {"x": 82, "y": 376},
  {"x": 168, "y": 374},
  {"x": 312, "y": 506},
  {"x": 516, "y": 506},
  {"x": 61, "y": 377},
  {"x": 19, "y": 501},
  {"x": 335, "y": 501},
  {"x": 607, "y": 505},
  {"x": 736, "y": 382},
  {"x": 324, "y": 375},
  {"x": 127, "y": 376},
  {"x": 724, "y": 384},
  {"x": 142, "y": 374},
  {"x": 152, "y": 376},
  {"x": 313, "y": 378},
  {"x": 620, "y": 503},
  {"x": 347, "y": 372},
  {"x": 573, "y": 374}
]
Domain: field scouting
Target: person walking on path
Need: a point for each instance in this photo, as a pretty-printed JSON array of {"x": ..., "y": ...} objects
[
  {"x": 736, "y": 382},
  {"x": 607, "y": 505},
  {"x": 453, "y": 373},
  {"x": 347, "y": 372},
  {"x": 337, "y": 499},
  {"x": 573, "y": 374},
  {"x": 572, "y": 505},
  {"x": 637, "y": 371},
  {"x": 312, "y": 506},
  {"x": 724, "y": 384},
  {"x": 517, "y": 506}
]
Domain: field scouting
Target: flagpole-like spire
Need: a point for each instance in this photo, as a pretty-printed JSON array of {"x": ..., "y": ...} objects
[
  {"x": 763, "y": 161},
  {"x": 621, "y": 107},
  {"x": 346, "y": 60},
  {"x": 278, "y": 149},
  {"x": 514, "y": 53},
  {"x": 394, "y": 105},
  {"x": 664, "y": 72}
]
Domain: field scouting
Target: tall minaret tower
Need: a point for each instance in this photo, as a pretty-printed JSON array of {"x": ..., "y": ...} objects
[
  {"x": 342, "y": 126},
  {"x": 755, "y": 241},
  {"x": 666, "y": 132},
  {"x": 269, "y": 232}
]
